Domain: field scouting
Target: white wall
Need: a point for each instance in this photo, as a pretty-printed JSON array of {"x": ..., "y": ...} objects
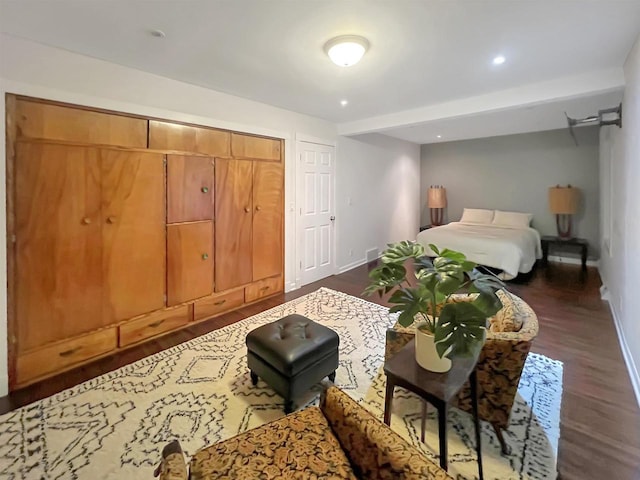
[
  {"x": 378, "y": 191},
  {"x": 620, "y": 232},
  {"x": 32, "y": 69}
]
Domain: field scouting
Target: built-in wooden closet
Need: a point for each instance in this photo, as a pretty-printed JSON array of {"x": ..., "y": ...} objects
[{"x": 122, "y": 228}]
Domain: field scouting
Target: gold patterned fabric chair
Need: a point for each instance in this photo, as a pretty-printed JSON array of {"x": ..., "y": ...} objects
[
  {"x": 509, "y": 337},
  {"x": 339, "y": 440}
]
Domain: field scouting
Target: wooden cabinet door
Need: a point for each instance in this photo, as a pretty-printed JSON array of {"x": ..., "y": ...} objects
[
  {"x": 133, "y": 224},
  {"x": 57, "y": 122},
  {"x": 248, "y": 146},
  {"x": 189, "y": 261},
  {"x": 189, "y": 188},
  {"x": 188, "y": 138},
  {"x": 268, "y": 237},
  {"x": 58, "y": 242},
  {"x": 233, "y": 223}
]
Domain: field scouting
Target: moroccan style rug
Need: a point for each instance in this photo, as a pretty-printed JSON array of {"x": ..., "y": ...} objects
[{"x": 114, "y": 426}]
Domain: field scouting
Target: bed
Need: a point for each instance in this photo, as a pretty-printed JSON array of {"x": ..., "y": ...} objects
[{"x": 511, "y": 248}]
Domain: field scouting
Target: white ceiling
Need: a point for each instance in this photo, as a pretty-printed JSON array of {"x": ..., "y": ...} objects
[{"x": 428, "y": 71}]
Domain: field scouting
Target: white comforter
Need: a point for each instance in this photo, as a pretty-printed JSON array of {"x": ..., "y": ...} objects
[{"x": 512, "y": 250}]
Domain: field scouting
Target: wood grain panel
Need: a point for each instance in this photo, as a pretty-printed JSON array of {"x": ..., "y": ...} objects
[
  {"x": 216, "y": 304},
  {"x": 247, "y": 146},
  {"x": 55, "y": 122},
  {"x": 58, "y": 243},
  {"x": 187, "y": 138},
  {"x": 268, "y": 236},
  {"x": 263, "y": 288},
  {"x": 12, "y": 325},
  {"x": 233, "y": 223},
  {"x": 153, "y": 324},
  {"x": 36, "y": 363},
  {"x": 133, "y": 223},
  {"x": 190, "y": 188},
  {"x": 189, "y": 261}
]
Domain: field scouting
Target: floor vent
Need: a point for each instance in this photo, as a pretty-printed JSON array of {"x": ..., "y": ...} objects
[{"x": 372, "y": 255}]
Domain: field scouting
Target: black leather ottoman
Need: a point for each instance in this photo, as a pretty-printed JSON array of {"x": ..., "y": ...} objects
[{"x": 291, "y": 355}]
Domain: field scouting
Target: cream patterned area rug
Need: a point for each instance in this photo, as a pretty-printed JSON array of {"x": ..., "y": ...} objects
[{"x": 114, "y": 426}]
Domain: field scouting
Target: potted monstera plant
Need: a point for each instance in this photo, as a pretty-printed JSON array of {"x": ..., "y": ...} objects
[{"x": 423, "y": 289}]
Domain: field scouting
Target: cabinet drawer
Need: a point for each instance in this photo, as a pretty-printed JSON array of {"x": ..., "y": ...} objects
[
  {"x": 153, "y": 324},
  {"x": 263, "y": 288},
  {"x": 185, "y": 138},
  {"x": 56, "y": 122},
  {"x": 209, "y": 307},
  {"x": 61, "y": 355},
  {"x": 246, "y": 146}
]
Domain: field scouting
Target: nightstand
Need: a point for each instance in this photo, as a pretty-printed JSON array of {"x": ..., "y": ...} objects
[{"x": 572, "y": 243}]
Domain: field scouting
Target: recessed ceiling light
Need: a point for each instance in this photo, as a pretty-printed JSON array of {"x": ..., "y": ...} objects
[
  {"x": 346, "y": 50},
  {"x": 499, "y": 60},
  {"x": 439, "y": 136},
  {"x": 158, "y": 33},
  {"x": 344, "y": 103}
]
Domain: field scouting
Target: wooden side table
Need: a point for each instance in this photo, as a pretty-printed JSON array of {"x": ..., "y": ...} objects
[
  {"x": 439, "y": 389},
  {"x": 573, "y": 243}
]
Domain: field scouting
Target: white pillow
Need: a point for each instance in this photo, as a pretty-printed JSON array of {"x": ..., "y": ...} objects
[
  {"x": 512, "y": 219},
  {"x": 476, "y": 215}
]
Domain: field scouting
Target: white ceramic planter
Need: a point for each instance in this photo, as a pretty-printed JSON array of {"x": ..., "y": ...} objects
[{"x": 427, "y": 355}]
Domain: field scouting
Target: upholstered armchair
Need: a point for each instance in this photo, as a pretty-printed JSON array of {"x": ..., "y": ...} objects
[
  {"x": 500, "y": 364},
  {"x": 339, "y": 440}
]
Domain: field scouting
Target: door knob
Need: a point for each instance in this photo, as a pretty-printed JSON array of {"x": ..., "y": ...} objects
[
  {"x": 111, "y": 219},
  {"x": 332, "y": 218},
  {"x": 204, "y": 189},
  {"x": 247, "y": 209},
  {"x": 86, "y": 220},
  {"x": 205, "y": 256}
]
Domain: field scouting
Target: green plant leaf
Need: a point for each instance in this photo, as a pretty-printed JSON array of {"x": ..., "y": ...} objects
[
  {"x": 409, "y": 302},
  {"x": 385, "y": 277},
  {"x": 459, "y": 329},
  {"x": 486, "y": 285},
  {"x": 449, "y": 273},
  {"x": 398, "y": 253}
]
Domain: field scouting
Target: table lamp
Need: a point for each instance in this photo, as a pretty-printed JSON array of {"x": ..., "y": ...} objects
[
  {"x": 437, "y": 200},
  {"x": 563, "y": 202}
]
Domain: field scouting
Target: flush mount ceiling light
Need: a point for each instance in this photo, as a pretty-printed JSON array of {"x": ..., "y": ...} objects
[
  {"x": 499, "y": 60},
  {"x": 346, "y": 50},
  {"x": 344, "y": 103}
]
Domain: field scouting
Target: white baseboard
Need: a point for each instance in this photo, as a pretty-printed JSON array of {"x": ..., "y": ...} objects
[
  {"x": 290, "y": 286},
  {"x": 352, "y": 265},
  {"x": 572, "y": 260},
  {"x": 634, "y": 374}
]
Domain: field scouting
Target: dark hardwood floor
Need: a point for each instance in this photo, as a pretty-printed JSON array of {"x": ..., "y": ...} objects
[{"x": 600, "y": 420}]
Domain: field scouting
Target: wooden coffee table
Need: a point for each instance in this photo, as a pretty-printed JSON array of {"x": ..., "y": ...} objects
[{"x": 438, "y": 389}]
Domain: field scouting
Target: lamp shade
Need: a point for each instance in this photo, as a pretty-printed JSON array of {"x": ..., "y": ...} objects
[
  {"x": 437, "y": 197},
  {"x": 563, "y": 200}
]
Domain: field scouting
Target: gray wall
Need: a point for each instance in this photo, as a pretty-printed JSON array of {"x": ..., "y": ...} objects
[{"x": 514, "y": 172}]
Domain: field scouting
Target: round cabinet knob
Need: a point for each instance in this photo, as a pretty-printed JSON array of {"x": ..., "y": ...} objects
[
  {"x": 86, "y": 220},
  {"x": 205, "y": 256},
  {"x": 258, "y": 208},
  {"x": 204, "y": 189},
  {"x": 247, "y": 209},
  {"x": 111, "y": 219}
]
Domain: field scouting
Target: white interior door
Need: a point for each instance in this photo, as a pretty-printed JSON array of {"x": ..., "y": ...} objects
[{"x": 316, "y": 210}]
